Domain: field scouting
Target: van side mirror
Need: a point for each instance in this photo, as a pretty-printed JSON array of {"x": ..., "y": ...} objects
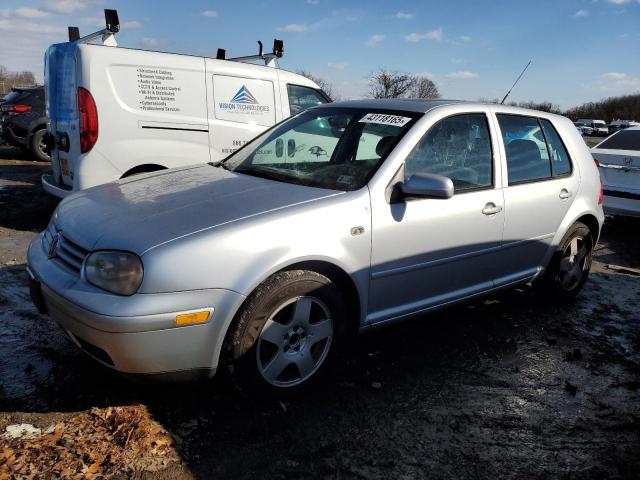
[{"x": 427, "y": 185}]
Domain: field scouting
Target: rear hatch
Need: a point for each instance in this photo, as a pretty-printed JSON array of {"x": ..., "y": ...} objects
[
  {"x": 60, "y": 80},
  {"x": 619, "y": 158}
]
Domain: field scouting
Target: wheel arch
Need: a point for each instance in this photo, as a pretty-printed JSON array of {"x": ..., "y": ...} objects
[
  {"x": 331, "y": 270},
  {"x": 35, "y": 125},
  {"x": 592, "y": 223},
  {"x": 342, "y": 279}
]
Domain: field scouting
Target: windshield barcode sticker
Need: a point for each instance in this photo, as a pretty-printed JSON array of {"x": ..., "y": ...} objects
[{"x": 384, "y": 119}]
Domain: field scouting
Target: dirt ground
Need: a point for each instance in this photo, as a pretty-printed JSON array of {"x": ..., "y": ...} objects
[{"x": 507, "y": 387}]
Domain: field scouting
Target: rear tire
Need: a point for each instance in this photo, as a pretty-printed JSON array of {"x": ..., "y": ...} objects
[
  {"x": 38, "y": 147},
  {"x": 569, "y": 268},
  {"x": 287, "y": 335}
]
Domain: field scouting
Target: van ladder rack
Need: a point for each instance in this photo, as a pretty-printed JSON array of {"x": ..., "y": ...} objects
[
  {"x": 107, "y": 34},
  {"x": 270, "y": 59}
]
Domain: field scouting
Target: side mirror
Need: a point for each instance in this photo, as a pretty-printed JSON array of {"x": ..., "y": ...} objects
[{"x": 427, "y": 185}]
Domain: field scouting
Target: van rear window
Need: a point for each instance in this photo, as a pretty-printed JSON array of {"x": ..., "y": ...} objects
[{"x": 624, "y": 140}]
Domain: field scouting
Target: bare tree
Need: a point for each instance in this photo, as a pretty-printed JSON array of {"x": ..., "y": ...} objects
[
  {"x": 541, "y": 106},
  {"x": 424, "y": 88},
  {"x": 389, "y": 84},
  {"x": 9, "y": 80},
  {"x": 323, "y": 83},
  {"x": 393, "y": 84}
]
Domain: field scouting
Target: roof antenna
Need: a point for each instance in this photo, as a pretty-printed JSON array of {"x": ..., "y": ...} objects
[{"x": 514, "y": 83}]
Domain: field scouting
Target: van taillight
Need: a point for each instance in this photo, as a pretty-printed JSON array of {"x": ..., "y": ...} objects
[{"x": 88, "y": 120}]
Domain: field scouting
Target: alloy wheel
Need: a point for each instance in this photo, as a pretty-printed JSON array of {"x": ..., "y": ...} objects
[
  {"x": 294, "y": 341},
  {"x": 573, "y": 264}
]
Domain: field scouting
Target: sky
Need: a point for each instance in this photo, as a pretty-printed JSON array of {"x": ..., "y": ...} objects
[{"x": 581, "y": 50}]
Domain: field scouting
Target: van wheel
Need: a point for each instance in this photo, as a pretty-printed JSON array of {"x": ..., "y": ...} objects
[
  {"x": 569, "y": 268},
  {"x": 38, "y": 146},
  {"x": 287, "y": 334}
]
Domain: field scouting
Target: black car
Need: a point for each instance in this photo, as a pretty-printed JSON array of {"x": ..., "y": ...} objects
[{"x": 23, "y": 122}]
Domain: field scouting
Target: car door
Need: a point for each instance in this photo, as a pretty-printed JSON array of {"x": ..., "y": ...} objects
[
  {"x": 427, "y": 252},
  {"x": 541, "y": 185}
]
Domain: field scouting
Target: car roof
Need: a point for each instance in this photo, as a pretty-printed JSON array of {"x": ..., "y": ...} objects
[
  {"x": 406, "y": 104},
  {"x": 425, "y": 105}
]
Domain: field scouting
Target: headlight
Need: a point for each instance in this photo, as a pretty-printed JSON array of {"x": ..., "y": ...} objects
[{"x": 116, "y": 272}]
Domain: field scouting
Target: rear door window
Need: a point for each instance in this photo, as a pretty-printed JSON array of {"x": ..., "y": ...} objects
[
  {"x": 303, "y": 98},
  {"x": 527, "y": 153},
  {"x": 624, "y": 140}
]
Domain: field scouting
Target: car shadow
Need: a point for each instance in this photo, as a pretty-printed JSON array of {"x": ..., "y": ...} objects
[
  {"x": 24, "y": 206},
  {"x": 477, "y": 381},
  {"x": 618, "y": 245},
  {"x": 457, "y": 361}
]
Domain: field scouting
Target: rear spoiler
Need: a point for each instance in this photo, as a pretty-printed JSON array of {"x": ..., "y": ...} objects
[{"x": 107, "y": 34}]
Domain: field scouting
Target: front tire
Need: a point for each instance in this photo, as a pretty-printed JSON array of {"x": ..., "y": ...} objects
[
  {"x": 569, "y": 268},
  {"x": 287, "y": 334}
]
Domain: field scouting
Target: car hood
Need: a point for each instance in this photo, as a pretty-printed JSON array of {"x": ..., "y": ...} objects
[{"x": 142, "y": 212}]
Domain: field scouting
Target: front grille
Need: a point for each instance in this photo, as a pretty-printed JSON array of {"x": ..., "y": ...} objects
[{"x": 67, "y": 253}]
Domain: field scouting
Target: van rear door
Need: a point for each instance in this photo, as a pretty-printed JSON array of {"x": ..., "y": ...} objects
[
  {"x": 60, "y": 81},
  {"x": 243, "y": 102}
]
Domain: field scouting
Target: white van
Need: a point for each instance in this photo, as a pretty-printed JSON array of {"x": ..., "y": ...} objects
[
  {"x": 599, "y": 126},
  {"x": 115, "y": 112}
]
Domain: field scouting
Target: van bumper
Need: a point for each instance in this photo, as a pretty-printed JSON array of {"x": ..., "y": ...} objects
[{"x": 52, "y": 187}]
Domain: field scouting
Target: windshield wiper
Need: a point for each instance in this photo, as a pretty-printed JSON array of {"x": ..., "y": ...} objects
[
  {"x": 219, "y": 163},
  {"x": 268, "y": 174}
]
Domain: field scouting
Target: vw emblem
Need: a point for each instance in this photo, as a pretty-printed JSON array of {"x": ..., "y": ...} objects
[
  {"x": 53, "y": 246},
  {"x": 628, "y": 160}
]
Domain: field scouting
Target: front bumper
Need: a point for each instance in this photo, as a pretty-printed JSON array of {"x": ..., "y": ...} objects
[{"x": 136, "y": 334}]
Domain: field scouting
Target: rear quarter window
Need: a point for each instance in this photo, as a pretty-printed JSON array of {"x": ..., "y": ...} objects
[
  {"x": 624, "y": 140},
  {"x": 560, "y": 163}
]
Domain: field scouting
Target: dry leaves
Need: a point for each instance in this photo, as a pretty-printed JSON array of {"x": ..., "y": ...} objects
[{"x": 103, "y": 441}]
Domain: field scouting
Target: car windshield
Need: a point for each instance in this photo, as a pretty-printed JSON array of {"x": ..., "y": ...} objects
[
  {"x": 623, "y": 140},
  {"x": 333, "y": 148}
]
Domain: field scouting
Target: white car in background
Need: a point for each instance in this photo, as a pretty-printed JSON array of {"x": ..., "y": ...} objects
[
  {"x": 599, "y": 127},
  {"x": 619, "y": 160}
]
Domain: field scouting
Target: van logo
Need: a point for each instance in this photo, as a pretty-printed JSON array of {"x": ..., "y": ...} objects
[
  {"x": 244, "y": 96},
  {"x": 628, "y": 160}
]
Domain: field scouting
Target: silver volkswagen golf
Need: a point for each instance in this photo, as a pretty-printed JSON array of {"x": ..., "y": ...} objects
[{"x": 346, "y": 217}]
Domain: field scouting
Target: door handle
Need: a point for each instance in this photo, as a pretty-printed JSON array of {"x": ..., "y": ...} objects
[
  {"x": 564, "y": 194},
  {"x": 491, "y": 209}
]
